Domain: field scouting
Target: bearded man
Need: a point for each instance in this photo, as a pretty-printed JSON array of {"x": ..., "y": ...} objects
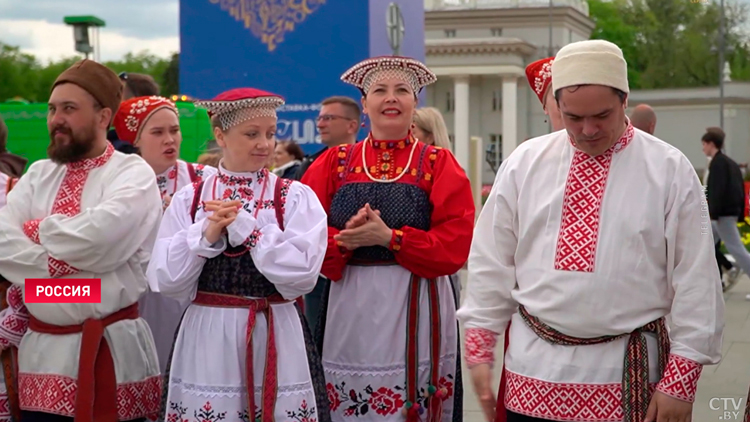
[{"x": 87, "y": 212}]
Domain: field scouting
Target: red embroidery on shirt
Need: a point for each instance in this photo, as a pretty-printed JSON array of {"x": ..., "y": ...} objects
[
  {"x": 680, "y": 378},
  {"x": 68, "y": 200},
  {"x": 584, "y": 190},
  {"x": 56, "y": 394},
  {"x": 31, "y": 230},
  {"x": 480, "y": 346},
  {"x": 564, "y": 401},
  {"x": 15, "y": 318}
]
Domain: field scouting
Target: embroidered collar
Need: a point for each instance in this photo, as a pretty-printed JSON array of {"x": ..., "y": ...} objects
[
  {"x": 231, "y": 179},
  {"x": 92, "y": 163},
  {"x": 392, "y": 144},
  {"x": 624, "y": 141}
]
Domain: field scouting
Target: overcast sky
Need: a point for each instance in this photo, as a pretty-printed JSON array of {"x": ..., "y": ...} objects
[{"x": 132, "y": 25}]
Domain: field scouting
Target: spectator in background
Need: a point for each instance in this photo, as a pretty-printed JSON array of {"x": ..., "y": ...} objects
[
  {"x": 338, "y": 123},
  {"x": 644, "y": 118},
  {"x": 287, "y": 158},
  {"x": 134, "y": 85},
  {"x": 429, "y": 127},
  {"x": 10, "y": 164},
  {"x": 725, "y": 190}
]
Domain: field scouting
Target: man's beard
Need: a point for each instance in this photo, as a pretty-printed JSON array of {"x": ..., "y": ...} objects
[{"x": 78, "y": 147}]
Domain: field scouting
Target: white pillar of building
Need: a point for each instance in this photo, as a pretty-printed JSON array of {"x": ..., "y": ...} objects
[
  {"x": 510, "y": 114},
  {"x": 461, "y": 120}
]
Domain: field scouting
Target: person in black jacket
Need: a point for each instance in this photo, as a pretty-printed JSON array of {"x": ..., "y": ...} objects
[{"x": 725, "y": 188}]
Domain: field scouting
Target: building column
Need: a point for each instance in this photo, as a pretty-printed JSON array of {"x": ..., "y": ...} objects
[
  {"x": 461, "y": 120},
  {"x": 510, "y": 114}
]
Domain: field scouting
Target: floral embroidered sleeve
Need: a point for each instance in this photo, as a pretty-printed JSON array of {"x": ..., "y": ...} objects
[
  {"x": 680, "y": 378},
  {"x": 321, "y": 177},
  {"x": 444, "y": 248}
]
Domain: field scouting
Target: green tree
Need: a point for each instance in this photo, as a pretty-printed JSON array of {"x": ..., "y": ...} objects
[
  {"x": 23, "y": 75},
  {"x": 673, "y": 43}
]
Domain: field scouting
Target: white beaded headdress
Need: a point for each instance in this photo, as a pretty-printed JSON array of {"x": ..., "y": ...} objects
[
  {"x": 368, "y": 72},
  {"x": 238, "y": 105}
]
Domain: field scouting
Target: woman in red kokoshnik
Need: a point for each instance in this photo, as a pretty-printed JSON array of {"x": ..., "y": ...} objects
[
  {"x": 242, "y": 245},
  {"x": 400, "y": 217},
  {"x": 152, "y": 125}
]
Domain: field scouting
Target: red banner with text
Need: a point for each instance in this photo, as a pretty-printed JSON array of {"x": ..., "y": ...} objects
[{"x": 63, "y": 290}]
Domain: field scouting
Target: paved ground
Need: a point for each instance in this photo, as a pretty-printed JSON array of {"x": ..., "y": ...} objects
[{"x": 722, "y": 389}]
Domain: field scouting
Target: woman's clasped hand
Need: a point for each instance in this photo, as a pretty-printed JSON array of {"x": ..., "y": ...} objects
[{"x": 365, "y": 228}]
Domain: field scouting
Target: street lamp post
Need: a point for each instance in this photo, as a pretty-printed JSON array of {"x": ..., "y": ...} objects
[{"x": 81, "y": 25}]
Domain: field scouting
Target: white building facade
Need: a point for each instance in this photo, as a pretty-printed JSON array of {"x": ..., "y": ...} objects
[{"x": 480, "y": 48}]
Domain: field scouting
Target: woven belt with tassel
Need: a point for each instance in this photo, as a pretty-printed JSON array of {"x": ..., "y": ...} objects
[
  {"x": 635, "y": 386},
  {"x": 434, "y": 396},
  {"x": 270, "y": 377}
]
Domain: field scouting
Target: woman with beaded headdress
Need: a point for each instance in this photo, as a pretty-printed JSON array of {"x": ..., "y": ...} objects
[
  {"x": 151, "y": 125},
  {"x": 400, "y": 221},
  {"x": 242, "y": 245}
]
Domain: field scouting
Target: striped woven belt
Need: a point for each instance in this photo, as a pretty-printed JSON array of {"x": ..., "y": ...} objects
[{"x": 270, "y": 377}]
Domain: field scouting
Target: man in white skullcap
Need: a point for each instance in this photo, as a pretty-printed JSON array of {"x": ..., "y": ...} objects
[{"x": 590, "y": 238}]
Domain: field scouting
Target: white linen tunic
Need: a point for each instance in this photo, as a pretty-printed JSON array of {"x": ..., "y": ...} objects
[
  {"x": 593, "y": 247},
  {"x": 108, "y": 235},
  {"x": 207, "y": 372}
]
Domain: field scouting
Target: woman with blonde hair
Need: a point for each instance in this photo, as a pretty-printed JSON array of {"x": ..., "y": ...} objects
[{"x": 429, "y": 127}]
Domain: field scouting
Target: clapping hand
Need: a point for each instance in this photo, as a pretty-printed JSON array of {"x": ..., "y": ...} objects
[
  {"x": 223, "y": 214},
  {"x": 365, "y": 228}
]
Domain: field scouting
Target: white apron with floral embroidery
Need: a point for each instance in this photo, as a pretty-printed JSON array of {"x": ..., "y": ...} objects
[
  {"x": 364, "y": 352},
  {"x": 207, "y": 371},
  {"x": 160, "y": 312}
]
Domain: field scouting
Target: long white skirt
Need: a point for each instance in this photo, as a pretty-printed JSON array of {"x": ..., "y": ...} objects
[
  {"x": 364, "y": 349},
  {"x": 207, "y": 373}
]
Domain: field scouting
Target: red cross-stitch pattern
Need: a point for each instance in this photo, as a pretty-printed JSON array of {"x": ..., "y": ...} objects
[
  {"x": 584, "y": 190},
  {"x": 480, "y": 346},
  {"x": 564, "y": 402},
  {"x": 681, "y": 378},
  {"x": 56, "y": 394},
  {"x": 68, "y": 200}
]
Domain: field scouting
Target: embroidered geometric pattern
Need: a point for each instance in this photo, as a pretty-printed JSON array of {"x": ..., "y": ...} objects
[
  {"x": 584, "y": 190},
  {"x": 5, "y": 415},
  {"x": 58, "y": 268},
  {"x": 56, "y": 394},
  {"x": 563, "y": 401},
  {"x": 15, "y": 318},
  {"x": 68, "y": 200},
  {"x": 31, "y": 230},
  {"x": 480, "y": 346},
  {"x": 680, "y": 380}
]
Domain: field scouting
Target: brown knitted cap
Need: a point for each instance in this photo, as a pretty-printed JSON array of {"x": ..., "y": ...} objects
[{"x": 98, "y": 80}]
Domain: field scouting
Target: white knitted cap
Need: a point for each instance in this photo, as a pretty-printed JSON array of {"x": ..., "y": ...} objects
[{"x": 591, "y": 62}]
